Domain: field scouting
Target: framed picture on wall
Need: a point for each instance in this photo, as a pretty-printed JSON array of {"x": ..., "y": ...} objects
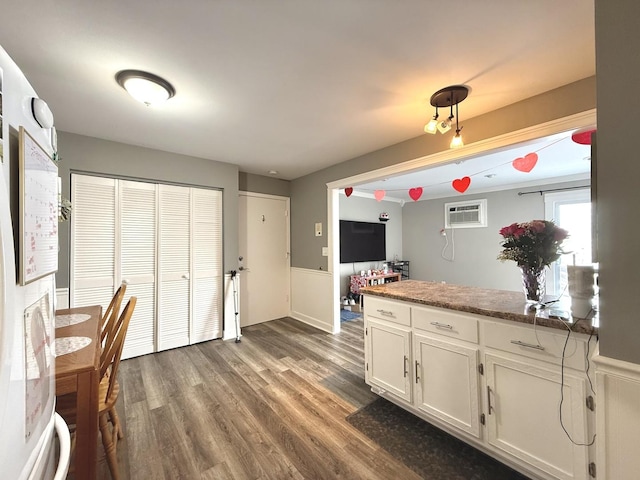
[{"x": 38, "y": 220}]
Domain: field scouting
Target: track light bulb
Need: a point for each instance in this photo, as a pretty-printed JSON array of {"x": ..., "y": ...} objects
[
  {"x": 432, "y": 126},
  {"x": 445, "y": 125},
  {"x": 456, "y": 141}
]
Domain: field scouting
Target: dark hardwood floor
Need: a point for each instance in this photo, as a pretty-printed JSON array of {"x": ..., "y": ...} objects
[{"x": 270, "y": 407}]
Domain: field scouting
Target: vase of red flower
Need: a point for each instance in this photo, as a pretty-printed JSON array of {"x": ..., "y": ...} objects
[
  {"x": 534, "y": 285},
  {"x": 533, "y": 246}
]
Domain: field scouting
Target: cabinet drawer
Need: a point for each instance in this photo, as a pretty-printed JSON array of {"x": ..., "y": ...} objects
[
  {"x": 446, "y": 322},
  {"x": 540, "y": 343},
  {"x": 387, "y": 310}
]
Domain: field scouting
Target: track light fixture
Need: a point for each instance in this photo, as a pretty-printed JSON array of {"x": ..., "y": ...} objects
[{"x": 447, "y": 97}]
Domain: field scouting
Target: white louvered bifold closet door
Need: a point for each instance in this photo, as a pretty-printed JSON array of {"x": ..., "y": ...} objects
[
  {"x": 138, "y": 262},
  {"x": 207, "y": 265},
  {"x": 93, "y": 246},
  {"x": 165, "y": 243},
  {"x": 174, "y": 266}
]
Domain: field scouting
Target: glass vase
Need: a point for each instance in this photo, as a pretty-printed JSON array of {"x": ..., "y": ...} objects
[{"x": 534, "y": 285}]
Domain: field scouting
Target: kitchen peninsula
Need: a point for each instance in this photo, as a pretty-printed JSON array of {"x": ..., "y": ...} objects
[{"x": 480, "y": 365}]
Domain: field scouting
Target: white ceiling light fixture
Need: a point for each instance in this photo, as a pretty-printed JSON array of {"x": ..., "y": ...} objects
[
  {"x": 145, "y": 87},
  {"x": 447, "y": 97}
]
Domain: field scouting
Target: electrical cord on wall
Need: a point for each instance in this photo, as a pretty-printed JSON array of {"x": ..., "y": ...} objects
[
  {"x": 443, "y": 232},
  {"x": 593, "y": 439},
  {"x": 588, "y": 364},
  {"x": 562, "y": 357}
]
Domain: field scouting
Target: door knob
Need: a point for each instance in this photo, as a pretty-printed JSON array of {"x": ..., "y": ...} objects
[{"x": 185, "y": 276}]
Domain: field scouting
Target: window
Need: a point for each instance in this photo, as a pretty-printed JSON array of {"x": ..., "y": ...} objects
[{"x": 570, "y": 210}]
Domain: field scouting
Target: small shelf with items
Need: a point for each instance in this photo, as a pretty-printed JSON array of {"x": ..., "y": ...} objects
[
  {"x": 401, "y": 267},
  {"x": 359, "y": 281}
]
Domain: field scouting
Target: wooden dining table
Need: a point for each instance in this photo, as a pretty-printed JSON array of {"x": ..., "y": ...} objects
[{"x": 78, "y": 372}]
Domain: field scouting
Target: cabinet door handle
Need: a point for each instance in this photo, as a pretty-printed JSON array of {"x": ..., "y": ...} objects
[
  {"x": 406, "y": 363},
  {"x": 417, "y": 370},
  {"x": 385, "y": 312},
  {"x": 489, "y": 406},
  {"x": 442, "y": 325},
  {"x": 528, "y": 345}
]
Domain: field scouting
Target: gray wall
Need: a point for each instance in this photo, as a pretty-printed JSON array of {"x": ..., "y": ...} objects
[
  {"x": 368, "y": 210},
  {"x": 309, "y": 193},
  {"x": 618, "y": 170},
  {"x": 476, "y": 249},
  {"x": 83, "y": 154},
  {"x": 248, "y": 182}
]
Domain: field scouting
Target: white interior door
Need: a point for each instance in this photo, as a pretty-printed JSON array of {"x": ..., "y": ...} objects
[
  {"x": 174, "y": 266},
  {"x": 207, "y": 265},
  {"x": 93, "y": 247},
  {"x": 138, "y": 212},
  {"x": 264, "y": 249}
]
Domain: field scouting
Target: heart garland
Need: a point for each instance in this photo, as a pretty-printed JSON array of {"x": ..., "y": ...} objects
[
  {"x": 525, "y": 164},
  {"x": 522, "y": 164},
  {"x": 415, "y": 193},
  {"x": 461, "y": 184}
]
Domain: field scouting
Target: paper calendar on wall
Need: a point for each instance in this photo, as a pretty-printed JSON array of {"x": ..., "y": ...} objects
[{"x": 38, "y": 211}]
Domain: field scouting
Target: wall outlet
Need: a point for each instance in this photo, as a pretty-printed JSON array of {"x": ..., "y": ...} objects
[
  {"x": 325, "y": 251},
  {"x": 318, "y": 229}
]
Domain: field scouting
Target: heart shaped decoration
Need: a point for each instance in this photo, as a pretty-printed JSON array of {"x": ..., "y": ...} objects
[
  {"x": 415, "y": 193},
  {"x": 348, "y": 191},
  {"x": 461, "y": 184},
  {"x": 379, "y": 194},
  {"x": 526, "y": 163}
]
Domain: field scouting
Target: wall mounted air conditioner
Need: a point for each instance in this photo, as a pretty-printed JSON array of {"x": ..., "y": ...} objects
[{"x": 468, "y": 214}]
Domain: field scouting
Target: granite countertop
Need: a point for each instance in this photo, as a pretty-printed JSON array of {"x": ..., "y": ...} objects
[{"x": 501, "y": 304}]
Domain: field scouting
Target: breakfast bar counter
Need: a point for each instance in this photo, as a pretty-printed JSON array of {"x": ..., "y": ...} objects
[
  {"x": 486, "y": 368},
  {"x": 502, "y": 304}
]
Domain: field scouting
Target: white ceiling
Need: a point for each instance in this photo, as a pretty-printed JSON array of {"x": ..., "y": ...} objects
[{"x": 292, "y": 86}]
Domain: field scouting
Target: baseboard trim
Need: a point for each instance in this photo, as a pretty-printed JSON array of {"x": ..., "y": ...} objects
[{"x": 314, "y": 322}]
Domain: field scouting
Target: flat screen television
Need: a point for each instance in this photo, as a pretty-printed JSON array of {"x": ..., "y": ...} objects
[{"x": 362, "y": 241}]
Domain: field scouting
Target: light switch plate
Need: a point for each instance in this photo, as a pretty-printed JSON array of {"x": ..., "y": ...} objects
[
  {"x": 325, "y": 251},
  {"x": 318, "y": 229}
]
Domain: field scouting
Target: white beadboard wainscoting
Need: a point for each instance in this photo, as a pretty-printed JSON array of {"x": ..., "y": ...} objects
[
  {"x": 617, "y": 418},
  {"x": 310, "y": 290},
  {"x": 62, "y": 298}
]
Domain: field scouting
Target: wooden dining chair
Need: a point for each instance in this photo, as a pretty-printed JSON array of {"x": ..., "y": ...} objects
[
  {"x": 112, "y": 312},
  {"x": 109, "y": 388},
  {"x": 107, "y": 323}
]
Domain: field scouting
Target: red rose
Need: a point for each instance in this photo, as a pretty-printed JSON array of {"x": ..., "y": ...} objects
[
  {"x": 537, "y": 226},
  {"x": 509, "y": 230},
  {"x": 518, "y": 232}
]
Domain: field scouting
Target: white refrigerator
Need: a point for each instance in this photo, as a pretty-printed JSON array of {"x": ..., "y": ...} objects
[{"x": 34, "y": 440}]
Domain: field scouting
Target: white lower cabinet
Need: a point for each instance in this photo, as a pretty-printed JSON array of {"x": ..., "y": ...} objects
[
  {"x": 389, "y": 358},
  {"x": 523, "y": 415},
  {"x": 446, "y": 382},
  {"x": 498, "y": 385}
]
